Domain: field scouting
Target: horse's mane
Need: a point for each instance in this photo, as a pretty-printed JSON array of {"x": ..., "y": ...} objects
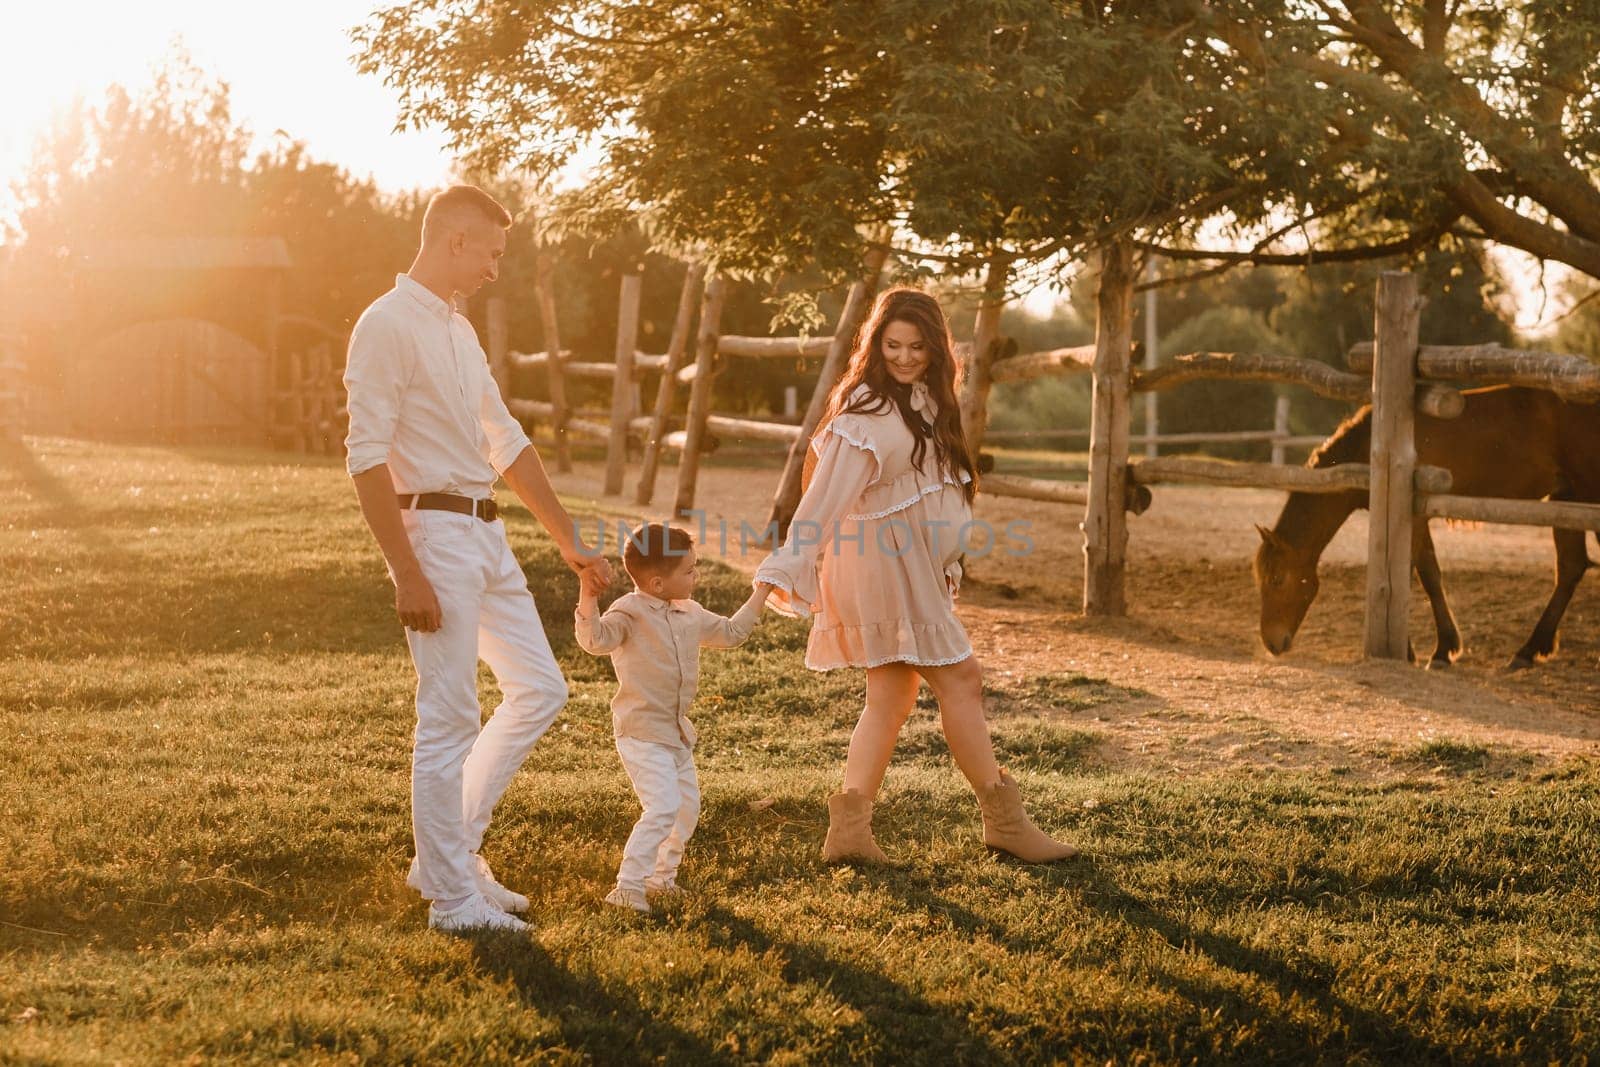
[{"x": 1350, "y": 443}]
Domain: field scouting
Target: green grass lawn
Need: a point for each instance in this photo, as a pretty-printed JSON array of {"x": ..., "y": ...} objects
[{"x": 206, "y": 708}]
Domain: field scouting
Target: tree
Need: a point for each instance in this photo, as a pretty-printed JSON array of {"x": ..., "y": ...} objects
[
  {"x": 1315, "y": 130},
  {"x": 1471, "y": 118},
  {"x": 776, "y": 135}
]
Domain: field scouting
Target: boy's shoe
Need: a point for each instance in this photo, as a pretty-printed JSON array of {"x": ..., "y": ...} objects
[
  {"x": 474, "y": 915},
  {"x": 498, "y": 895},
  {"x": 629, "y": 898}
]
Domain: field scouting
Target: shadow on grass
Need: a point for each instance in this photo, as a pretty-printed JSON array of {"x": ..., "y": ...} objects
[
  {"x": 1298, "y": 981},
  {"x": 62, "y": 508},
  {"x": 893, "y": 1015},
  {"x": 591, "y": 1018}
]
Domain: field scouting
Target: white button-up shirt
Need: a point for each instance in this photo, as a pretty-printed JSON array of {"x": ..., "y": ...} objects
[{"x": 422, "y": 400}]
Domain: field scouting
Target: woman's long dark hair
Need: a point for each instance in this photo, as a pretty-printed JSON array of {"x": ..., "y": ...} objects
[{"x": 943, "y": 378}]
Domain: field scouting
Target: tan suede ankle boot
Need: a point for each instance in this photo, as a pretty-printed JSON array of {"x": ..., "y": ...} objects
[
  {"x": 849, "y": 837},
  {"x": 1007, "y": 827}
]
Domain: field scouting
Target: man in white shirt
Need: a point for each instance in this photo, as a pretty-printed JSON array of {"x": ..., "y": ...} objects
[{"x": 429, "y": 433}]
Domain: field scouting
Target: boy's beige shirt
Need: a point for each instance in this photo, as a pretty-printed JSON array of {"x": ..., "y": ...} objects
[{"x": 654, "y": 646}]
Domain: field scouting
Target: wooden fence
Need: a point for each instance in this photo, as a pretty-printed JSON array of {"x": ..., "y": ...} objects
[
  {"x": 309, "y": 410},
  {"x": 1394, "y": 373},
  {"x": 655, "y": 432},
  {"x": 1278, "y": 437},
  {"x": 712, "y": 349}
]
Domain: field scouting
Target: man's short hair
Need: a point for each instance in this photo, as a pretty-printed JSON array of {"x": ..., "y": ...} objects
[
  {"x": 655, "y": 549},
  {"x": 463, "y": 201}
]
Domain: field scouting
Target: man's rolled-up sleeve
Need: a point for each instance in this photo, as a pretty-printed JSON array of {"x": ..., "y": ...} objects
[
  {"x": 503, "y": 434},
  {"x": 375, "y": 375}
]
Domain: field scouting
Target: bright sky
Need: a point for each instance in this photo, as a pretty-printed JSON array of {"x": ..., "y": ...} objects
[{"x": 287, "y": 62}]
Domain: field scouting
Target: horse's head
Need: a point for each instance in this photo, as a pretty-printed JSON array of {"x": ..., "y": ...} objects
[{"x": 1287, "y": 580}]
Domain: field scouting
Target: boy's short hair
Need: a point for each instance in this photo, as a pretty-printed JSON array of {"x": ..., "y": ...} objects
[{"x": 654, "y": 549}]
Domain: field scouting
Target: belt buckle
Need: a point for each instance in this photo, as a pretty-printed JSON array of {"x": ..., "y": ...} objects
[{"x": 487, "y": 510}]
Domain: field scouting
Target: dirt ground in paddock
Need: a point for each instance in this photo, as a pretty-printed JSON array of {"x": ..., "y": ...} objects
[{"x": 1205, "y": 694}]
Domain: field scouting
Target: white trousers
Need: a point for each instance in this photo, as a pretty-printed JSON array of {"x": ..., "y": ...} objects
[
  {"x": 663, "y": 778},
  {"x": 460, "y": 766}
]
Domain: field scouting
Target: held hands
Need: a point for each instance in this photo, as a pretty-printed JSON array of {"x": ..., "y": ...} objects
[
  {"x": 760, "y": 593},
  {"x": 593, "y": 571},
  {"x": 594, "y": 580},
  {"x": 579, "y": 561}
]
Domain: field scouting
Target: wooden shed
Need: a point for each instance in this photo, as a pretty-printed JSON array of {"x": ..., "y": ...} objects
[{"x": 163, "y": 363}]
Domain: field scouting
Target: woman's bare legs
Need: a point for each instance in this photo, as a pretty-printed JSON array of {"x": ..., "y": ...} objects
[
  {"x": 959, "y": 687},
  {"x": 891, "y": 694},
  {"x": 1006, "y": 825}
]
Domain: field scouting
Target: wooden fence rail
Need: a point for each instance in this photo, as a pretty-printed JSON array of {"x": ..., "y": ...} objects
[{"x": 1573, "y": 377}]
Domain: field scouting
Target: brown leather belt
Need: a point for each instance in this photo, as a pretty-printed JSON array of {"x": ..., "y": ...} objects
[{"x": 486, "y": 510}]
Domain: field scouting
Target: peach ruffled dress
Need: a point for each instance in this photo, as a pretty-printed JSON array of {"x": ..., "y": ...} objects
[{"x": 874, "y": 549}]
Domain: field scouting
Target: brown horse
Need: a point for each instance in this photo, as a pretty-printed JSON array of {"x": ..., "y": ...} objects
[{"x": 1524, "y": 444}]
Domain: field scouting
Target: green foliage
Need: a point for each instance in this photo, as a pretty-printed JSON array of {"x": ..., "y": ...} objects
[
  {"x": 776, "y": 134},
  {"x": 1039, "y": 404},
  {"x": 1217, "y": 406},
  {"x": 208, "y": 714}
]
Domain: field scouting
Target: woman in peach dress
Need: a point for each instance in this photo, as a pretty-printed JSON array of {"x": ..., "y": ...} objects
[{"x": 873, "y": 557}]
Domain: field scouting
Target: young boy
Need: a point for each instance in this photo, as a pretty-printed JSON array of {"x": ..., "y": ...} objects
[{"x": 654, "y": 635}]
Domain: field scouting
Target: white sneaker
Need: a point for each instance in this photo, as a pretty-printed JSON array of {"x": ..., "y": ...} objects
[
  {"x": 473, "y": 915},
  {"x": 498, "y": 895},
  {"x": 629, "y": 898}
]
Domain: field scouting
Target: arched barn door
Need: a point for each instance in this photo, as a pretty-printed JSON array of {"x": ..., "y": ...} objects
[{"x": 179, "y": 380}]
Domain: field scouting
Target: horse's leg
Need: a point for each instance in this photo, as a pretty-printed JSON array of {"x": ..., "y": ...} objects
[
  {"x": 1426, "y": 563},
  {"x": 1572, "y": 559}
]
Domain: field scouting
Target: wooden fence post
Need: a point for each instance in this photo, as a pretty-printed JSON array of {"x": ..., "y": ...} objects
[
  {"x": 705, "y": 355},
  {"x": 299, "y": 433},
  {"x": 622, "y": 382},
  {"x": 499, "y": 332},
  {"x": 1280, "y": 427},
  {"x": 555, "y": 375},
  {"x": 1152, "y": 359},
  {"x": 1396, "y": 323},
  {"x": 974, "y": 399},
  {"x": 677, "y": 348},
  {"x": 1105, "y": 523},
  {"x": 856, "y": 306}
]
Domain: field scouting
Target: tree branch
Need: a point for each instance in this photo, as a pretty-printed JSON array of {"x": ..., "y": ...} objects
[
  {"x": 1502, "y": 224},
  {"x": 635, "y": 42},
  {"x": 1411, "y": 243},
  {"x": 1560, "y": 187}
]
